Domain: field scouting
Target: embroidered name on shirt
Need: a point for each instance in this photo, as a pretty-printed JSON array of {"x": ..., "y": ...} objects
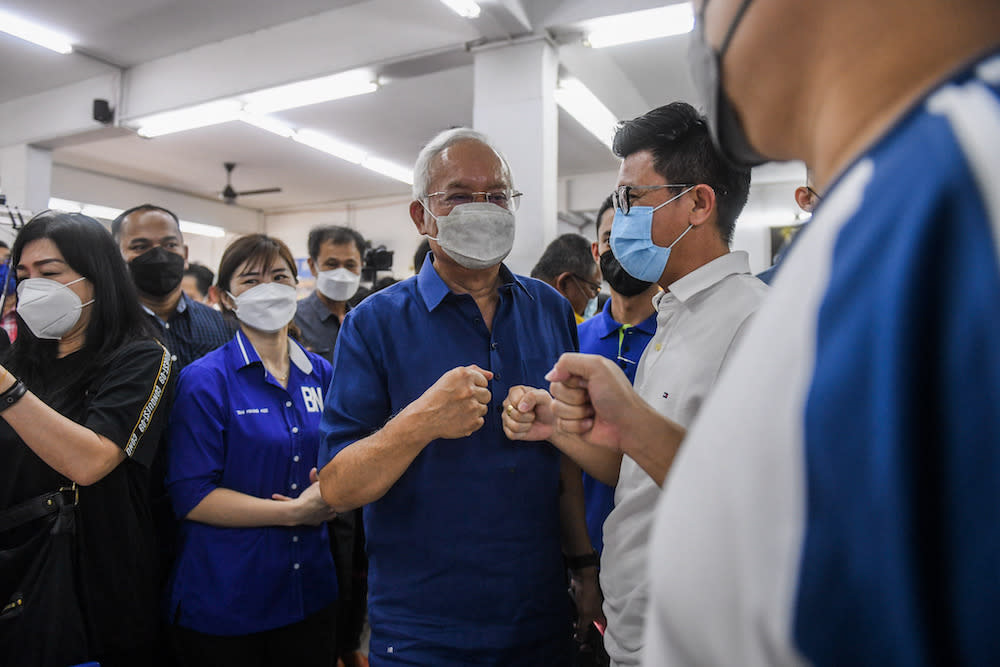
[
  {"x": 253, "y": 411},
  {"x": 313, "y": 396},
  {"x": 666, "y": 395}
]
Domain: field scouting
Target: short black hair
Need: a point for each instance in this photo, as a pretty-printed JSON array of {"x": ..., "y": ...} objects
[
  {"x": 3, "y": 244},
  {"x": 605, "y": 205},
  {"x": 421, "y": 254},
  {"x": 336, "y": 235},
  {"x": 116, "y": 224},
  {"x": 683, "y": 152},
  {"x": 568, "y": 253},
  {"x": 203, "y": 276}
]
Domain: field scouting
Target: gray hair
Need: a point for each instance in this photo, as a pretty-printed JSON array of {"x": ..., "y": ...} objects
[{"x": 446, "y": 139}]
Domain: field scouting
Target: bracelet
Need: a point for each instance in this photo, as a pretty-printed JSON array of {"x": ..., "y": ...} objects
[
  {"x": 12, "y": 395},
  {"x": 572, "y": 562}
]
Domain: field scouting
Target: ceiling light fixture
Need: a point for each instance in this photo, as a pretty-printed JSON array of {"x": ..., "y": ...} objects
[
  {"x": 269, "y": 124},
  {"x": 34, "y": 33},
  {"x": 577, "y": 100},
  {"x": 353, "y": 154},
  {"x": 312, "y": 91},
  {"x": 465, "y": 8},
  {"x": 108, "y": 213},
  {"x": 190, "y": 118},
  {"x": 639, "y": 26}
]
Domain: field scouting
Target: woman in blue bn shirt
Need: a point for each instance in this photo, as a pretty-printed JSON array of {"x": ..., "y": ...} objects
[{"x": 254, "y": 581}]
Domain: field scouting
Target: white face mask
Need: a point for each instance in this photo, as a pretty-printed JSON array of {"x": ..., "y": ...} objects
[
  {"x": 268, "y": 307},
  {"x": 48, "y": 307},
  {"x": 477, "y": 235},
  {"x": 338, "y": 284}
]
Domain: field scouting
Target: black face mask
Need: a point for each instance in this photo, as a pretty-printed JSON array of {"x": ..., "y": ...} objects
[
  {"x": 619, "y": 279},
  {"x": 157, "y": 272}
]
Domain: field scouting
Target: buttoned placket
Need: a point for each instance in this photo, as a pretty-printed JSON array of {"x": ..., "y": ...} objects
[{"x": 291, "y": 418}]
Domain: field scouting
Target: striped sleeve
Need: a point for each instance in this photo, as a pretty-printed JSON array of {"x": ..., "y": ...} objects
[{"x": 130, "y": 404}]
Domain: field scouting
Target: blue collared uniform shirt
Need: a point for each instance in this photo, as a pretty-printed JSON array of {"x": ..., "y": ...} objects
[
  {"x": 602, "y": 335},
  {"x": 234, "y": 426},
  {"x": 464, "y": 548}
]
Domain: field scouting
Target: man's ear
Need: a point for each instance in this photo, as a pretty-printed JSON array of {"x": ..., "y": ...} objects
[
  {"x": 703, "y": 207},
  {"x": 804, "y": 198},
  {"x": 561, "y": 283},
  {"x": 417, "y": 215},
  {"x": 312, "y": 266},
  {"x": 186, "y": 265},
  {"x": 593, "y": 251}
]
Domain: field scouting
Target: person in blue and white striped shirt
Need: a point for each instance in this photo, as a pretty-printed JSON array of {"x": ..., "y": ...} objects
[{"x": 837, "y": 500}]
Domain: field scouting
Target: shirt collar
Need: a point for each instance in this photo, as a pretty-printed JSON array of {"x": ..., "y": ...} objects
[
  {"x": 606, "y": 325},
  {"x": 433, "y": 290},
  {"x": 249, "y": 355},
  {"x": 319, "y": 309},
  {"x": 181, "y": 305},
  {"x": 707, "y": 275}
]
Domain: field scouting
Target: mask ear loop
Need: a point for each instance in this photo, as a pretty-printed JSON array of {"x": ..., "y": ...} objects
[
  {"x": 732, "y": 28},
  {"x": 436, "y": 218}
]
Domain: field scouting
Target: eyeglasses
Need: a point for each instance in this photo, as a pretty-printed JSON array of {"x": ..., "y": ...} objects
[
  {"x": 624, "y": 195},
  {"x": 508, "y": 199},
  {"x": 594, "y": 288}
]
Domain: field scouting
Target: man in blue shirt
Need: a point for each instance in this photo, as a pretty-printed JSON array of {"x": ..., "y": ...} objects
[
  {"x": 838, "y": 499},
  {"x": 620, "y": 332},
  {"x": 151, "y": 242},
  {"x": 463, "y": 526}
]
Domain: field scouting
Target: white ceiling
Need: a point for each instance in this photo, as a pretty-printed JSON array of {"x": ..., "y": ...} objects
[{"x": 190, "y": 50}]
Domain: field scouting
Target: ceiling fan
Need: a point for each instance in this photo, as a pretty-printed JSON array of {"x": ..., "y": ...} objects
[{"x": 229, "y": 194}]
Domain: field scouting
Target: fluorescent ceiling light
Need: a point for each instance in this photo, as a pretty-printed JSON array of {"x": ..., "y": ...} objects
[
  {"x": 639, "y": 26},
  {"x": 577, "y": 100},
  {"x": 201, "y": 115},
  {"x": 353, "y": 154},
  {"x": 108, "y": 213},
  {"x": 465, "y": 8},
  {"x": 34, "y": 33},
  {"x": 330, "y": 146},
  {"x": 197, "y": 228},
  {"x": 312, "y": 91},
  {"x": 389, "y": 169},
  {"x": 272, "y": 125}
]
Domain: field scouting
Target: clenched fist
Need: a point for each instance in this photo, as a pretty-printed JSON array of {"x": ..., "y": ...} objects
[
  {"x": 454, "y": 406},
  {"x": 527, "y": 414}
]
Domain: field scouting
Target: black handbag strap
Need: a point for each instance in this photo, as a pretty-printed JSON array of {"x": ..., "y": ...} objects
[{"x": 37, "y": 507}]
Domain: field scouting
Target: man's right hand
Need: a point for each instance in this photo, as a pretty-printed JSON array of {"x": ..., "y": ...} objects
[
  {"x": 454, "y": 406},
  {"x": 527, "y": 414},
  {"x": 592, "y": 398}
]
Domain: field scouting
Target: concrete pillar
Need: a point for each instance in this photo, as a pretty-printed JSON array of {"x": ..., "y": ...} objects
[
  {"x": 514, "y": 104},
  {"x": 26, "y": 176}
]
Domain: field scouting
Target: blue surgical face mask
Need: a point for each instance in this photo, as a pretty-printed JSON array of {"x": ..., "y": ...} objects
[
  {"x": 632, "y": 241},
  {"x": 591, "y": 309}
]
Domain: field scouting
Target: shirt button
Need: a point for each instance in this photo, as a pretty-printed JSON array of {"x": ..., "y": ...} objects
[
  {"x": 295, "y": 429},
  {"x": 288, "y": 404},
  {"x": 658, "y": 347},
  {"x": 166, "y": 325},
  {"x": 296, "y": 458},
  {"x": 173, "y": 357},
  {"x": 294, "y": 486},
  {"x": 295, "y": 538},
  {"x": 296, "y": 566},
  {"x": 493, "y": 346}
]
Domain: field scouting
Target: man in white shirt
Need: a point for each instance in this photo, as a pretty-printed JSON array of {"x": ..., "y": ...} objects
[{"x": 676, "y": 205}]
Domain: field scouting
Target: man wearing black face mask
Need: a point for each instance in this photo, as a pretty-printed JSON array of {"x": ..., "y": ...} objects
[{"x": 151, "y": 242}]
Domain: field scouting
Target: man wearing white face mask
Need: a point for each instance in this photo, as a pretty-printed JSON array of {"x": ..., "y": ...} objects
[
  {"x": 676, "y": 207},
  {"x": 464, "y": 528},
  {"x": 335, "y": 258}
]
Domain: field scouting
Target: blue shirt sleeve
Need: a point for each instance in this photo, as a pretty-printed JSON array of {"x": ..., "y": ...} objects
[
  {"x": 196, "y": 449},
  {"x": 357, "y": 401}
]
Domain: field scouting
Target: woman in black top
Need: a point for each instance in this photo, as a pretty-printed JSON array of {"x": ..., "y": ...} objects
[{"x": 98, "y": 390}]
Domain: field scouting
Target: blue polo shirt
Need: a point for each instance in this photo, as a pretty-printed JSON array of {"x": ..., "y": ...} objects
[
  {"x": 234, "y": 426},
  {"x": 464, "y": 548},
  {"x": 602, "y": 335}
]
